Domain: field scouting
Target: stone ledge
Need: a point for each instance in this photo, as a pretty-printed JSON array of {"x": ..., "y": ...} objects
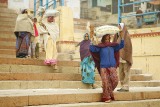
[
  {"x": 8, "y": 52},
  {"x": 22, "y": 61},
  {"x": 141, "y": 77},
  {"x": 139, "y": 103},
  {"x": 7, "y": 47},
  {"x": 43, "y": 84},
  {"x": 56, "y": 76},
  {"x": 29, "y": 68},
  {"x": 65, "y": 96},
  {"x": 6, "y": 32}
]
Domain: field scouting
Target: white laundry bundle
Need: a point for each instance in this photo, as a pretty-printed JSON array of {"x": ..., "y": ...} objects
[
  {"x": 51, "y": 12},
  {"x": 41, "y": 9},
  {"x": 107, "y": 29}
]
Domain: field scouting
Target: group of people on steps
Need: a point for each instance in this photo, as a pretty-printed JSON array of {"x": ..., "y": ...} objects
[
  {"x": 105, "y": 56},
  {"x": 32, "y": 34}
]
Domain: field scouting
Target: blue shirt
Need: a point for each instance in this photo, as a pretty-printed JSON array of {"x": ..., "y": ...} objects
[{"x": 107, "y": 58}]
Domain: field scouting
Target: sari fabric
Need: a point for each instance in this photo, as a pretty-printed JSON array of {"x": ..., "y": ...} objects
[
  {"x": 87, "y": 63},
  {"x": 22, "y": 44}
]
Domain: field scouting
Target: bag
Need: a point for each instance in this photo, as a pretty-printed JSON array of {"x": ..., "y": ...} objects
[
  {"x": 107, "y": 29},
  {"x": 51, "y": 12},
  {"x": 41, "y": 9}
]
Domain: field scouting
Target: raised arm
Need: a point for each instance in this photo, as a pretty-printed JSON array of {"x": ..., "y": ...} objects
[
  {"x": 92, "y": 48},
  {"x": 77, "y": 45},
  {"x": 119, "y": 46}
]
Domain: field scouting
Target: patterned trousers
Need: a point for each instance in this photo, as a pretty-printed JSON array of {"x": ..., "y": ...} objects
[{"x": 109, "y": 82}]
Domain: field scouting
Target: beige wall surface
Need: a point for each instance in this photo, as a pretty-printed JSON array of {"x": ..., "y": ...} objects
[
  {"x": 66, "y": 23},
  {"x": 146, "y": 54}
]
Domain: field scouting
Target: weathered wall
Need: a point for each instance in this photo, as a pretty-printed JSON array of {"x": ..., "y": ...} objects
[
  {"x": 146, "y": 51},
  {"x": 66, "y": 23},
  {"x": 4, "y": 1},
  {"x": 75, "y": 5},
  {"x": 17, "y": 4}
]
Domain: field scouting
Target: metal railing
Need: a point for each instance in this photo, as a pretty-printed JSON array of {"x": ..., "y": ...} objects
[
  {"x": 120, "y": 6},
  {"x": 47, "y": 4}
]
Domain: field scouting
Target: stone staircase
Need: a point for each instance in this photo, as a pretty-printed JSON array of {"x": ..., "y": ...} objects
[
  {"x": 28, "y": 82},
  {"x": 7, "y": 37}
]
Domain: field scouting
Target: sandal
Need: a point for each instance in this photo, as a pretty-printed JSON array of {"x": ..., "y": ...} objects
[{"x": 108, "y": 101}]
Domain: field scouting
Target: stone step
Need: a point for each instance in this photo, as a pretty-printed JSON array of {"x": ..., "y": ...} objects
[
  {"x": 5, "y": 43},
  {"x": 7, "y": 39},
  {"x": 135, "y": 70},
  {"x": 10, "y": 23},
  {"x": 6, "y": 10},
  {"x": 43, "y": 84},
  {"x": 10, "y": 19},
  {"x": 7, "y": 47},
  {"x": 6, "y": 28},
  {"x": 56, "y": 76},
  {"x": 3, "y": 4},
  {"x": 8, "y": 52},
  {"x": 22, "y": 65},
  {"x": 80, "y": 31},
  {"x": 81, "y": 27},
  {"x": 7, "y": 35},
  {"x": 27, "y": 66},
  {"x": 8, "y": 85},
  {"x": 7, "y": 56},
  {"x": 141, "y": 77},
  {"x": 23, "y": 61},
  {"x": 66, "y": 96},
  {"x": 64, "y": 57},
  {"x": 137, "y": 103},
  {"x": 4, "y": 14}
]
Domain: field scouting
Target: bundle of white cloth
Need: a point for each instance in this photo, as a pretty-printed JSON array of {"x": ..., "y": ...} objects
[
  {"x": 51, "y": 12},
  {"x": 107, "y": 29}
]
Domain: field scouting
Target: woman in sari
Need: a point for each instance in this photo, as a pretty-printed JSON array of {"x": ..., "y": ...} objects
[
  {"x": 106, "y": 57},
  {"x": 87, "y": 63},
  {"x": 50, "y": 38},
  {"x": 24, "y": 31}
]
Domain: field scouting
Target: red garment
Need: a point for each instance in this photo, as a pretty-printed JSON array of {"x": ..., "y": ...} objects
[
  {"x": 109, "y": 82},
  {"x": 36, "y": 31}
]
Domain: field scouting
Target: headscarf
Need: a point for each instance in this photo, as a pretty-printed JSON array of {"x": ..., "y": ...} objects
[
  {"x": 84, "y": 48},
  {"x": 50, "y": 18},
  {"x": 122, "y": 25},
  {"x": 104, "y": 37},
  {"x": 24, "y": 11},
  {"x": 84, "y": 36},
  {"x": 126, "y": 52},
  {"x": 96, "y": 55}
]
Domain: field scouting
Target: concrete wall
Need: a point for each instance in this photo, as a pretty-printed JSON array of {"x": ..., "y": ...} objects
[
  {"x": 102, "y": 3},
  {"x": 66, "y": 23},
  {"x": 75, "y": 5},
  {"x": 17, "y": 4},
  {"x": 146, "y": 52}
]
